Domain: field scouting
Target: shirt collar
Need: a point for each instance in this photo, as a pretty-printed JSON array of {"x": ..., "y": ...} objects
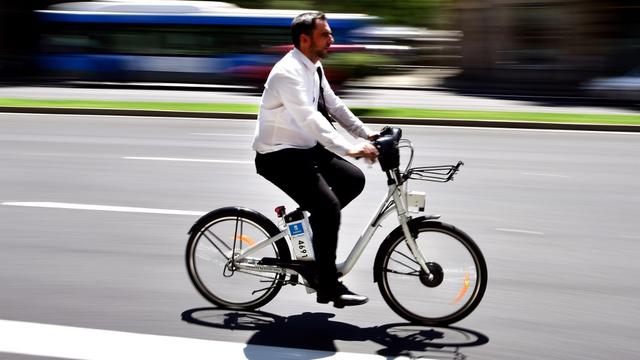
[{"x": 305, "y": 60}]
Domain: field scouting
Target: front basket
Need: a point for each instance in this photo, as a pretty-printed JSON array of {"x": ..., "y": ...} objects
[{"x": 441, "y": 173}]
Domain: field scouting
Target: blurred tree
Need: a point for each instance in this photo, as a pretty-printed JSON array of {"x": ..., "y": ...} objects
[{"x": 424, "y": 13}]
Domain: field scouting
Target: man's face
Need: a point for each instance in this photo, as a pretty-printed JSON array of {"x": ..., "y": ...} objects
[{"x": 321, "y": 39}]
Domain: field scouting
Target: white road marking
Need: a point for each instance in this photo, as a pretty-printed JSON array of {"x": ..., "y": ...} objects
[
  {"x": 633, "y": 237},
  {"x": 58, "y": 205},
  {"x": 544, "y": 174},
  {"x": 95, "y": 344},
  {"x": 218, "y": 134},
  {"x": 187, "y": 160},
  {"x": 520, "y": 231}
]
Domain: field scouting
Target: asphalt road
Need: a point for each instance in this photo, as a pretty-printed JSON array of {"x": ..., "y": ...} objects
[{"x": 554, "y": 212}]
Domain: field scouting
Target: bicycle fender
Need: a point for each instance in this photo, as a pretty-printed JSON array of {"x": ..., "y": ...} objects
[
  {"x": 233, "y": 211},
  {"x": 382, "y": 250}
]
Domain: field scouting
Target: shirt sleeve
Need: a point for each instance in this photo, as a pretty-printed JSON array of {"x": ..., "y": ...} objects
[
  {"x": 291, "y": 90},
  {"x": 343, "y": 115}
]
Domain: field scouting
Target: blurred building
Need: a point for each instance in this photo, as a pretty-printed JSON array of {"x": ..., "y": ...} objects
[
  {"x": 551, "y": 43},
  {"x": 15, "y": 38},
  {"x": 18, "y": 37}
]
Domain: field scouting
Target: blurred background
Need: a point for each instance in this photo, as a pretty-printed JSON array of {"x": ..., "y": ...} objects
[
  {"x": 555, "y": 212},
  {"x": 577, "y": 47}
]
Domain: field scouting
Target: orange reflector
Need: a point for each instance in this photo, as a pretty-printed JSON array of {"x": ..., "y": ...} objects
[
  {"x": 465, "y": 287},
  {"x": 245, "y": 239}
]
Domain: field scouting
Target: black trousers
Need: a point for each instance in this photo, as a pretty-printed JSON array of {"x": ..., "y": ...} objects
[{"x": 322, "y": 183}]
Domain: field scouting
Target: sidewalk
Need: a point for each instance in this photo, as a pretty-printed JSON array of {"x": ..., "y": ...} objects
[
  {"x": 408, "y": 90},
  {"x": 365, "y": 96}
]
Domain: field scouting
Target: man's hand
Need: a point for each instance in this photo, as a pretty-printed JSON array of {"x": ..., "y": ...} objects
[{"x": 365, "y": 150}]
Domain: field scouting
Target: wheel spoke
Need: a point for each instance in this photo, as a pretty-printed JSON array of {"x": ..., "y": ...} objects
[
  {"x": 216, "y": 246},
  {"x": 254, "y": 273},
  {"x": 241, "y": 233},
  {"x": 217, "y": 237},
  {"x": 403, "y": 264},
  {"x": 412, "y": 273},
  {"x": 211, "y": 250},
  {"x": 235, "y": 233},
  {"x": 407, "y": 257},
  {"x": 444, "y": 298}
]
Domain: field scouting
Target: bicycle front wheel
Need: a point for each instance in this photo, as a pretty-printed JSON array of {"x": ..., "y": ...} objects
[
  {"x": 458, "y": 274},
  {"x": 218, "y": 236}
]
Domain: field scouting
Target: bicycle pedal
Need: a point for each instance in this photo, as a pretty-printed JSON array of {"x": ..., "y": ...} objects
[
  {"x": 306, "y": 269},
  {"x": 290, "y": 264},
  {"x": 269, "y": 261},
  {"x": 293, "y": 280},
  {"x": 280, "y": 262}
]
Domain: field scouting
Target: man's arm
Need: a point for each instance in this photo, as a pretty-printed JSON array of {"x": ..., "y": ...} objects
[
  {"x": 343, "y": 115},
  {"x": 291, "y": 89}
]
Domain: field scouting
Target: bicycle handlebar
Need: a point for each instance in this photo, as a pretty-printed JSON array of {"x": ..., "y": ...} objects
[
  {"x": 388, "y": 144},
  {"x": 393, "y": 133}
]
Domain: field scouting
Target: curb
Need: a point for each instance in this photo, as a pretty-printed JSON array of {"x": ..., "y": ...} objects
[
  {"x": 504, "y": 124},
  {"x": 367, "y": 119},
  {"x": 125, "y": 112}
]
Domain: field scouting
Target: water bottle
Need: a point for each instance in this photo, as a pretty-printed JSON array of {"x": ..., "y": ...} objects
[{"x": 300, "y": 234}]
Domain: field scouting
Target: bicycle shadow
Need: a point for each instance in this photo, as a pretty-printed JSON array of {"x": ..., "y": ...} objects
[{"x": 316, "y": 331}]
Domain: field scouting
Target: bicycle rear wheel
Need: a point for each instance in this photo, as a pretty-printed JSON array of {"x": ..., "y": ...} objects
[
  {"x": 458, "y": 267},
  {"x": 213, "y": 240}
]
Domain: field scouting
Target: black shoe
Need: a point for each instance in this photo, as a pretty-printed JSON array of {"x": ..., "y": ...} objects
[{"x": 341, "y": 297}]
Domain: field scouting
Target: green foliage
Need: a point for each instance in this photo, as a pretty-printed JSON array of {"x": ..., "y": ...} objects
[
  {"x": 358, "y": 65},
  {"x": 403, "y": 113}
]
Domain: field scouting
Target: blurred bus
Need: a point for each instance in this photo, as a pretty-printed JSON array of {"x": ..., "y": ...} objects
[{"x": 173, "y": 41}]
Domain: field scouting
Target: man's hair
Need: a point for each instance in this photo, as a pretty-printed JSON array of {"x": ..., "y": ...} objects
[{"x": 304, "y": 24}]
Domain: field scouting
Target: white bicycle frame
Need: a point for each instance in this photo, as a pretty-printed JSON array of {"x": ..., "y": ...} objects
[{"x": 395, "y": 199}]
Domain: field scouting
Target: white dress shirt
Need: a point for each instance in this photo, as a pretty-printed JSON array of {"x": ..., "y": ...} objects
[{"x": 288, "y": 116}]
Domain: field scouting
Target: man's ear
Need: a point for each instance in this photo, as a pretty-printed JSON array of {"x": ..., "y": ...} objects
[{"x": 305, "y": 40}]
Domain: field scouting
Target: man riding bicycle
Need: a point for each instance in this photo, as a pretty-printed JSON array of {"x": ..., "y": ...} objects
[{"x": 299, "y": 150}]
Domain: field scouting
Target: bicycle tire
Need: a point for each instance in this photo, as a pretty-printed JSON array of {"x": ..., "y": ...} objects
[
  {"x": 455, "y": 291},
  {"x": 207, "y": 256}
]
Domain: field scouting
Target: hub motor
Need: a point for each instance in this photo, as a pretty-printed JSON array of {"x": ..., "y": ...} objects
[{"x": 437, "y": 275}]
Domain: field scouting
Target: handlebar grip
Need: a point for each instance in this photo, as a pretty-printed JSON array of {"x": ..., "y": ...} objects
[{"x": 394, "y": 132}]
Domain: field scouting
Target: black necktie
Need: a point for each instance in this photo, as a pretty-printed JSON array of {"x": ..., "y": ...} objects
[{"x": 322, "y": 108}]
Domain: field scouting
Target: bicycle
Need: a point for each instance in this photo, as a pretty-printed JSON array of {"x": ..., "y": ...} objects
[{"x": 427, "y": 271}]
